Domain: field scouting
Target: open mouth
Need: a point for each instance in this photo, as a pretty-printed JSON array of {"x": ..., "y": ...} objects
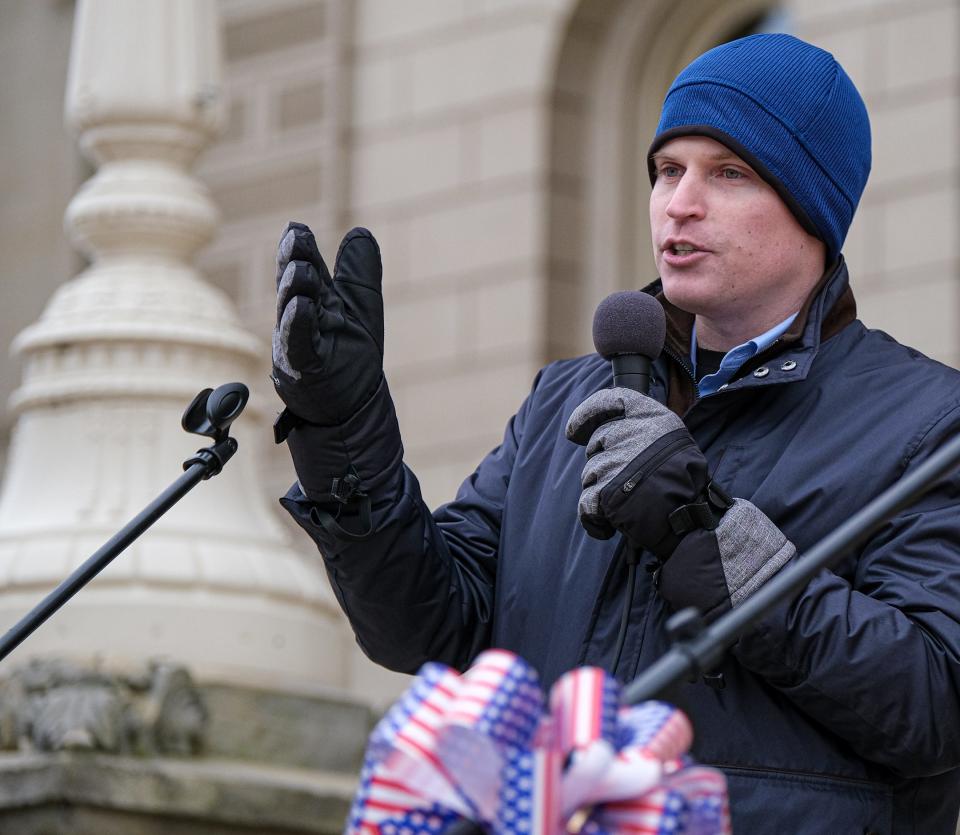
[{"x": 682, "y": 253}]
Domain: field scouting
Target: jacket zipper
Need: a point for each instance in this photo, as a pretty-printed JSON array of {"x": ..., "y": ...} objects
[
  {"x": 685, "y": 365},
  {"x": 604, "y": 590}
]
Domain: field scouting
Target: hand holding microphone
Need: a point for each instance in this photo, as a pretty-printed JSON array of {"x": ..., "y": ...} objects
[
  {"x": 646, "y": 477},
  {"x": 642, "y": 463}
]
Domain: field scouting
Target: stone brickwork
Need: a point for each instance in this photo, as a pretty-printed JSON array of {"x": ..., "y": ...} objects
[
  {"x": 903, "y": 248},
  {"x": 448, "y": 156},
  {"x": 281, "y": 158}
]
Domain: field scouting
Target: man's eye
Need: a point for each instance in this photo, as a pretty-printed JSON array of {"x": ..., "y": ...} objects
[
  {"x": 669, "y": 171},
  {"x": 732, "y": 174}
]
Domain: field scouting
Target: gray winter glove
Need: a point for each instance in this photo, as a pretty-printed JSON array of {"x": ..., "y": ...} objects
[
  {"x": 642, "y": 465},
  {"x": 646, "y": 477},
  {"x": 752, "y": 549},
  {"x": 339, "y": 424}
]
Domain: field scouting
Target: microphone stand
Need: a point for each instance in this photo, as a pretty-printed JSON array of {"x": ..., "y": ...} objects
[
  {"x": 210, "y": 414},
  {"x": 699, "y": 647}
]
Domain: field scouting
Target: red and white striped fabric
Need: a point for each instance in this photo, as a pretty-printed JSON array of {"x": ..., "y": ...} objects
[
  {"x": 691, "y": 800},
  {"x": 584, "y": 705}
]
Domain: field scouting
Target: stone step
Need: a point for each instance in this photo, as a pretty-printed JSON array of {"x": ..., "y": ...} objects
[
  {"x": 318, "y": 732},
  {"x": 105, "y": 794}
]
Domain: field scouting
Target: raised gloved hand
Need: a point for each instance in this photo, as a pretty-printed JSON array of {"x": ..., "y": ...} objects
[
  {"x": 646, "y": 478},
  {"x": 328, "y": 341},
  {"x": 339, "y": 423}
]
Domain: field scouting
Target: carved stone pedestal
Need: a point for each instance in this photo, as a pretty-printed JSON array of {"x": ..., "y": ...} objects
[{"x": 109, "y": 367}]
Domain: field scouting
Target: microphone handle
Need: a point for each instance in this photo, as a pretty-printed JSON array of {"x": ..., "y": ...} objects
[{"x": 631, "y": 371}]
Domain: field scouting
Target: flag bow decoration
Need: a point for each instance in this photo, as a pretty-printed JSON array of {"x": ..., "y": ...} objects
[{"x": 482, "y": 747}]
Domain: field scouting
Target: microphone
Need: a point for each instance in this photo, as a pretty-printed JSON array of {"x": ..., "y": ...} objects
[{"x": 629, "y": 329}]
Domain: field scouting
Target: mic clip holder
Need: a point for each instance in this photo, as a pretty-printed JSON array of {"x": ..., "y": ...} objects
[{"x": 210, "y": 414}]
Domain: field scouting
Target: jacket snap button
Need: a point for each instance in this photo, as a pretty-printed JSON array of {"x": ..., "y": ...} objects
[
  {"x": 789, "y": 365},
  {"x": 762, "y": 371}
]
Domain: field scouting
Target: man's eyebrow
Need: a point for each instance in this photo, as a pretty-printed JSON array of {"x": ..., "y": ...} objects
[
  {"x": 715, "y": 156},
  {"x": 725, "y": 155}
]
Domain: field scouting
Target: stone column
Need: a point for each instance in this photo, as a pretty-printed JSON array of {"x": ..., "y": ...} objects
[{"x": 108, "y": 368}]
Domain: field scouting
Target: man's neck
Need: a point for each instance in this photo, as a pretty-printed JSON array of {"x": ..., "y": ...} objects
[
  {"x": 712, "y": 336},
  {"x": 722, "y": 335},
  {"x": 726, "y": 327}
]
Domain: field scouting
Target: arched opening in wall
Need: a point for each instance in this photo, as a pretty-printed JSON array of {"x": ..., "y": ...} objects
[{"x": 615, "y": 63}]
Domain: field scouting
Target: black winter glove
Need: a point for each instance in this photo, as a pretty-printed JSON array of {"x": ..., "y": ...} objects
[
  {"x": 328, "y": 342},
  {"x": 646, "y": 477},
  {"x": 339, "y": 423}
]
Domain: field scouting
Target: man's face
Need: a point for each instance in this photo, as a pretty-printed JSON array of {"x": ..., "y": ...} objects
[{"x": 726, "y": 245}]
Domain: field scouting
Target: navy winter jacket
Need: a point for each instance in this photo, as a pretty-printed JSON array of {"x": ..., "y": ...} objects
[{"x": 841, "y": 712}]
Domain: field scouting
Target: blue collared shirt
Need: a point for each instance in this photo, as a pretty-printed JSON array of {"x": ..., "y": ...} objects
[{"x": 735, "y": 357}]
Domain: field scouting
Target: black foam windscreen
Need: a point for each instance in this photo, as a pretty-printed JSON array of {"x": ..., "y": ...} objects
[{"x": 629, "y": 322}]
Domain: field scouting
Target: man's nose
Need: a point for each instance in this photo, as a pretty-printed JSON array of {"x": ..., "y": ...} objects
[{"x": 687, "y": 200}]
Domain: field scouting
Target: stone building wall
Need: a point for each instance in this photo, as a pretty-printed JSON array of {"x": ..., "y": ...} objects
[
  {"x": 281, "y": 157},
  {"x": 904, "y": 247},
  {"x": 398, "y": 119}
]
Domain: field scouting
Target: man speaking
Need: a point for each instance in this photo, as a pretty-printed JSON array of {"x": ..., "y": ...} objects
[{"x": 773, "y": 414}]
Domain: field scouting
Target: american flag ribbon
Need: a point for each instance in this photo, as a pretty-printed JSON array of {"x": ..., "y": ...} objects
[
  {"x": 481, "y": 747},
  {"x": 584, "y": 704},
  {"x": 659, "y": 730},
  {"x": 692, "y": 800}
]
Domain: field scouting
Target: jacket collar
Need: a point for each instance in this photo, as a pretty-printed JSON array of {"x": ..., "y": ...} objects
[{"x": 829, "y": 308}]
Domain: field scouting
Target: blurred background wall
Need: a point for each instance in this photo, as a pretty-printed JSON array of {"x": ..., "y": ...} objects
[{"x": 496, "y": 149}]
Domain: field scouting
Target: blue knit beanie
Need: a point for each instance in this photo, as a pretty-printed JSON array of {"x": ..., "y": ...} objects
[{"x": 789, "y": 110}]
